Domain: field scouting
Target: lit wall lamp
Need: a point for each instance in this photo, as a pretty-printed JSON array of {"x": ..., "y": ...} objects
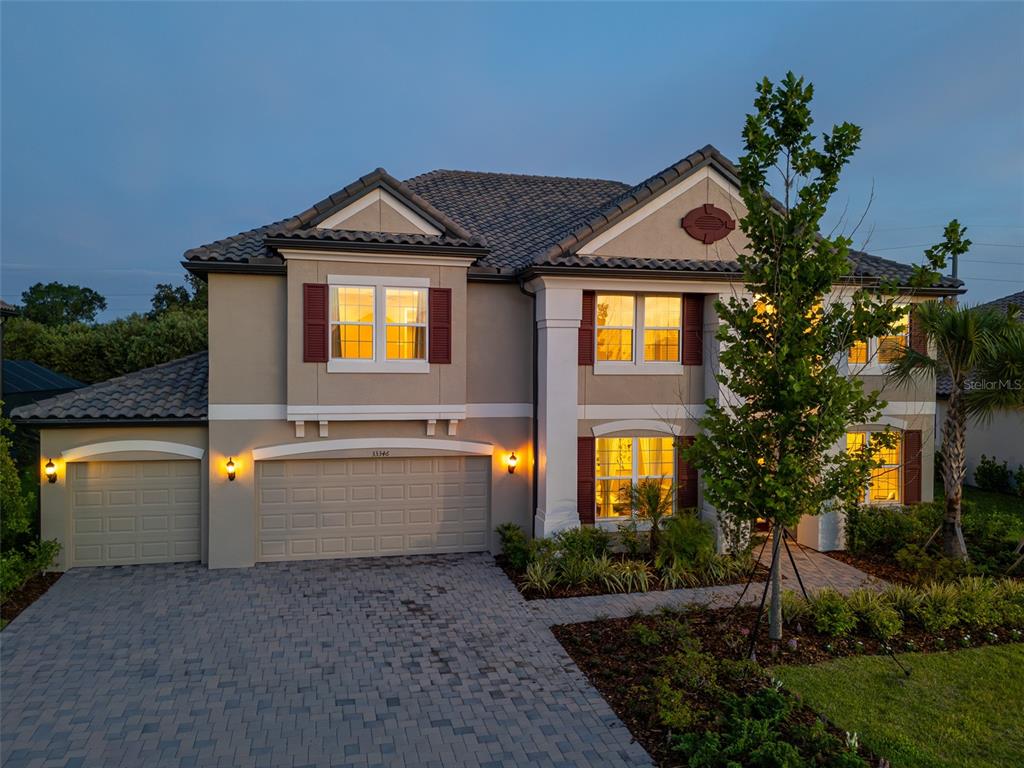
[
  {"x": 51, "y": 471},
  {"x": 230, "y": 467},
  {"x": 512, "y": 462}
]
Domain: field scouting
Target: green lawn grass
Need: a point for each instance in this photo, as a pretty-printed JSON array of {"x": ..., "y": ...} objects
[{"x": 959, "y": 708}]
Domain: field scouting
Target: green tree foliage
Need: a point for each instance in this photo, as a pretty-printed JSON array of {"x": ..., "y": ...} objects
[
  {"x": 769, "y": 449},
  {"x": 168, "y": 297},
  {"x": 92, "y": 353},
  {"x": 22, "y": 555},
  {"x": 58, "y": 304}
]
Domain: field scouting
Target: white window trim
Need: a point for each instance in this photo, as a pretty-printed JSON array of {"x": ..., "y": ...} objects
[
  {"x": 379, "y": 363},
  {"x": 634, "y": 477},
  {"x": 868, "y": 501},
  {"x": 639, "y": 366}
]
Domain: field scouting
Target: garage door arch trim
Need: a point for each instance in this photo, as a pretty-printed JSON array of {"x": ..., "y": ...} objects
[{"x": 373, "y": 443}]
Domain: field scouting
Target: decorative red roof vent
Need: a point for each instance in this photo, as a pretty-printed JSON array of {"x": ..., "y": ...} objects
[{"x": 709, "y": 223}]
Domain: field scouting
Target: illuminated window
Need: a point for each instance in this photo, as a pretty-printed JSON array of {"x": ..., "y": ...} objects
[
  {"x": 615, "y": 322},
  {"x": 352, "y": 314},
  {"x": 884, "y": 349},
  {"x": 884, "y": 486},
  {"x": 663, "y": 322},
  {"x": 405, "y": 320},
  {"x": 625, "y": 460}
]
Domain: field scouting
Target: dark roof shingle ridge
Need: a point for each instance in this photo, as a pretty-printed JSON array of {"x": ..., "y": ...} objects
[{"x": 512, "y": 175}]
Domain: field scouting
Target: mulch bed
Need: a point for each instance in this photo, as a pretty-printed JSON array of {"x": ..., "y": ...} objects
[
  {"x": 879, "y": 567},
  {"x": 34, "y": 589},
  {"x": 560, "y": 591},
  {"x": 623, "y": 671}
]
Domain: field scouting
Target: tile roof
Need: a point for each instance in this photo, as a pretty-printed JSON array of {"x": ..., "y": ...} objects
[
  {"x": 26, "y": 376},
  {"x": 7, "y": 309},
  {"x": 943, "y": 381},
  {"x": 524, "y": 221},
  {"x": 175, "y": 391}
]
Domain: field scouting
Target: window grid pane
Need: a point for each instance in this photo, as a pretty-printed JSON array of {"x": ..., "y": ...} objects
[
  {"x": 615, "y": 321},
  {"x": 621, "y": 461},
  {"x": 884, "y": 486},
  {"x": 405, "y": 317},
  {"x": 858, "y": 353},
  {"x": 352, "y": 316}
]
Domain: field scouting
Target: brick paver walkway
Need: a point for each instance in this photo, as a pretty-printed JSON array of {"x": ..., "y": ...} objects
[{"x": 430, "y": 661}]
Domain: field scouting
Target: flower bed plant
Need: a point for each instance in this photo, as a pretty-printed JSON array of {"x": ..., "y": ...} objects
[
  {"x": 583, "y": 561},
  {"x": 682, "y": 682}
]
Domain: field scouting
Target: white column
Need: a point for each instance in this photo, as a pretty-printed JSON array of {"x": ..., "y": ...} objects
[{"x": 558, "y": 321}]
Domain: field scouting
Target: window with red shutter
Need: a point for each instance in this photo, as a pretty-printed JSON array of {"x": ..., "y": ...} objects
[
  {"x": 314, "y": 323},
  {"x": 918, "y": 338},
  {"x": 586, "y": 499},
  {"x": 686, "y": 477},
  {"x": 586, "y": 336},
  {"x": 693, "y": 329},
  {"x": 439, "y": 348}
]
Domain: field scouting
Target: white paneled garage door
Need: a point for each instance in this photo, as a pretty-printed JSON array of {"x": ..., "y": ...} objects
[
  {"x": 362, "y": 507},
  {"x": 127, "y": 512}
]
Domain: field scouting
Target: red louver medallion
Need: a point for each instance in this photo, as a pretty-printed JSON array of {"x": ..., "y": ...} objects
[{"x": 709, "y": 223}]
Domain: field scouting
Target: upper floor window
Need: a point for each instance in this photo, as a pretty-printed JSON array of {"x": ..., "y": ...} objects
[
  {"x": 375, "y": 325},
  {"x": 883, "y": 349},
  {"x": 622, "y": 461},
  {"x": 884, "y": 485},
  {"x": 659, "y": 317}
]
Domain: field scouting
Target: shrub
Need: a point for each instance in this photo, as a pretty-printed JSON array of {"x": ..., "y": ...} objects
[
  {"x": 685, "y": 539},
  {"x": 634, "y": 575},
  {"x": 606, "y": 575},
  {"x": 903, "y": 599},
  {"x": 794, "y": 607},
  {"x": 832, "y": 615},
  {"x": 883, "y": 529},
  {"x": 875, "y": 614},
  {"x": 989, "y": 475},
  {"x": 674, "y": 711},
  {"x": 691, "y": 669},
  {"x": 575, "y": 570},
  {"x": 653, "y": 503},
  {"x": 631, "y": 540},
  {"x": 1018, "y": 479},
  {"x": 643, "y": 635},
  {"x": 586, "y": 541},
  {"x": 937, "y": 609},
  {"x": 514, "y": 545},
  {"x": 978, "y": 605},
  {"x": 540, "y": 576},
  {"x": 1010, "y": 597},
  {"x": 678, "y": 575}
]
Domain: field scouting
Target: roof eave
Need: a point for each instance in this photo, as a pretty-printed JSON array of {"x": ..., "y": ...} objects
[
  {"x": 306, "y": 244},
  {"x": 98, "y": 422},
  {"x": 202, "y": 268}
]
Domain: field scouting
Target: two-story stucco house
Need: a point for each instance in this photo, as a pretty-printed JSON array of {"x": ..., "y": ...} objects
[{"x": 376, "y": 360}]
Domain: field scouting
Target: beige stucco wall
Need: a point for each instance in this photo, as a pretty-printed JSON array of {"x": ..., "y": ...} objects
[
  {"x": 684, "y": 388},
  {"x": 312, "y": 384},
  {"x": 247, "y": 332},
  {"x": 55, "y": 499},
  {"x": 1001, "y": 439},
  {"x": 233, "y": 520},
  {"x": 499, "y": 344},
  {"x": 661, "y": 234}
]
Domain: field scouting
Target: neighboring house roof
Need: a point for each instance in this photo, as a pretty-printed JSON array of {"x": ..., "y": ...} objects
[
  {"x": 524, "y": 222},
  {"x": 943, "y": 381},
  {"x": 7, "y": 310},
  {"x": 173, "y": 391},
  {"x": 26, "y": 376}
]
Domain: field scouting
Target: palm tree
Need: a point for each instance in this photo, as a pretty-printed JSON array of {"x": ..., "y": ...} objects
[
  {"x": 978, "y": 348},
  {"x": 651, "y": 499}
]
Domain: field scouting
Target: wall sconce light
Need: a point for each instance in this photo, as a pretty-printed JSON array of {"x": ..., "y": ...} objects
[
  {"x": 51, "y": 471},
  {"x": 230, "y": 467},
  {"x": 512, "y": 462}
]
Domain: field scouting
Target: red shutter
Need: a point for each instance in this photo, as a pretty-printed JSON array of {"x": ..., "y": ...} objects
[
  {"x": 586, "y": 499},
  {"x": 693, "y": 329},
  {"x": 911, "y": 466},
  {"x": 918, "y": 338},
  {"x": 314, "y": 323},
  {"x": 686, "y": 477},
  {"x": 586, "y": 338},
  {"x": 440, "y": 319}
]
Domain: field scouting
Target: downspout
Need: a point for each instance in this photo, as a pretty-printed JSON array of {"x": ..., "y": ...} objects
[{"x": 536, "y": 423}]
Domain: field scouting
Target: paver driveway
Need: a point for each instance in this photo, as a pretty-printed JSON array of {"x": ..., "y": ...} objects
[{"x": 430, "y": 661}]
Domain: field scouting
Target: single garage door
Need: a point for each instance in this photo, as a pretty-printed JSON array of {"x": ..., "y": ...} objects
[
  {"x": 127, "y": 512},
  {"x": 361, "y": 507}
]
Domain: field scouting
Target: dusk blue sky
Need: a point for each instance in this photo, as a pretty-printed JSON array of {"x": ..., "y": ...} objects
[{"x": 131, "y": 132}]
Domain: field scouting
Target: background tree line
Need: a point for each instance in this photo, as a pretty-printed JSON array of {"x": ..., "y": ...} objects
[{"x": 57, "y": 329}]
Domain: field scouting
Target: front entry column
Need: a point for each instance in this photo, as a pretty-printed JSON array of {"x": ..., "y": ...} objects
[{"x": 558, "y": 321}]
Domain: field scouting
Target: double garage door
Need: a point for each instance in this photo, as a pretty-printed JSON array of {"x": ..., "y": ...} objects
[
  {"x": 128, "y": 512},
  {"x": 376, "y": 506}
]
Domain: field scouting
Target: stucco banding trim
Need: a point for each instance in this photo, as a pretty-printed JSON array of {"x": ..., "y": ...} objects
[
  {"x": 372, "y": 444},
  {"x": 636, "y": 425},
  {"x": 94, "y": 450}
]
